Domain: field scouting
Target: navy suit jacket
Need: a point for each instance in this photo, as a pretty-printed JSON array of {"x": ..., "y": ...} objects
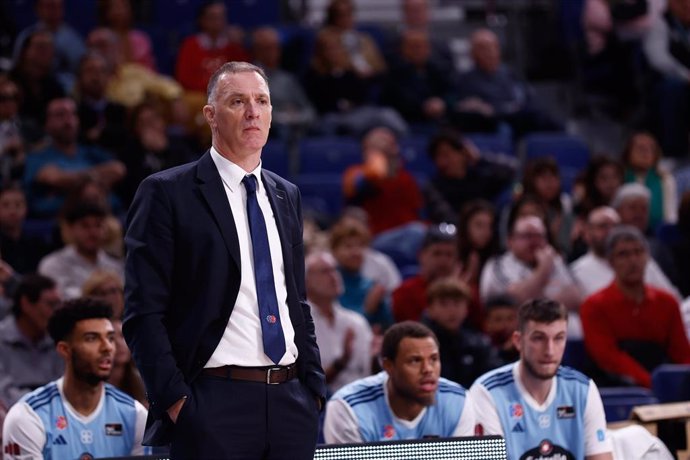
[{"x": 182, "y": 276}]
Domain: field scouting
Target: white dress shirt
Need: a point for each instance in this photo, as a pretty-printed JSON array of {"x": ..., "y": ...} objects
[{"x": 241, "y": 343}]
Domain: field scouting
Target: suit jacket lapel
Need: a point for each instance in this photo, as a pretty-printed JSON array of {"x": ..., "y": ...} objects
[{"x": 213, "y": 191}]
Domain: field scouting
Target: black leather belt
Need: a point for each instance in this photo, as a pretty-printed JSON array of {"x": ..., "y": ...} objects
[{"x": 272, "y": 375}]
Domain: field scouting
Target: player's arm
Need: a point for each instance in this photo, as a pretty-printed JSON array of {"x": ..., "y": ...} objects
[
  {"x": 598, "y": 444},
  {"x": 467, "y": 420},
  {"x": 23, "y": 434},
  {"x": 485, "y": 411},
  {"x": 340, "y": 425},
  {"x": 139, "y": 425}
]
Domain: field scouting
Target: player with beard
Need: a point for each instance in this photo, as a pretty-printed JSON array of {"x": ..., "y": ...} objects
[
  {"x": 542, "y": 409},
  {"x": 78, "y": 415},
  {"x": 408, "y": 400}
]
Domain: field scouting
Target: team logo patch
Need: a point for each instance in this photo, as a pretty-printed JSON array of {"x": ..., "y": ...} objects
[
  {"x": 113, "y": 429},
  {"x": 12, "y": 448},
  {"x": 565, "y": 412},
  {"x": 60, "y": 441},
  {"x": 601, "y": 436},
  {"x": 479, "y": 429},
  {"x": 547, "y": 451},
  {"x": 85, "y": 456},
  {"x": 544, "y": 421},
  {"x": 516, "y": 410},
  {"x": 388, "y": 432},
  {"x": 61, "y": 422},
  {"x": 86, "y": 437}
]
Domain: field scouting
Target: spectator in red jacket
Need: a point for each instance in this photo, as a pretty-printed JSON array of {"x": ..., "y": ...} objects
[{"x": 631, "y": 327}]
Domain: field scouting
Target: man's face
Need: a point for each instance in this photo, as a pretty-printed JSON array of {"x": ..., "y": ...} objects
[
  {"x": 267, "y": 48},
  {"x": 416, "y": 48},
  {"x": 415, "y": 372},
  {"x": 500, "y": 323},
  {"x": 93, "y": 78},
  {"x": 50, "y": 11},
  {"x": 350, "y": 253},
  {"x": 448, "y": 313},
  {"x": 635, "y": 211},
  {"x": 91, "y": 348},
  {"x": 12, "y": 209},
  {"x": 323, "y": 279},
  {"x": 528, "y": 236},
  {"x": 39, "y": 312},
  {"x": 541, "y": 347},
  {"x": 88, "y": 233},
  {"x": 449, "y": 161},
  {"x": 680, "y": 9},
  {"x": 486, "y": 51},
  {"x": 628, "y": 260},
  {"x": 438, "y": 260},
  {"x": 214, "y": 19},
  {"x": 416, "y": 13},
  {"x": 599, "y": 224},
  {"x": 240, "y": 114},
  {"x": 62, "y": 122},
  {"x": 39, "y": 53}
]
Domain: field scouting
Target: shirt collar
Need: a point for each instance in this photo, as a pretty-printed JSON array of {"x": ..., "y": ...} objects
[{"x": 232, "y": 174}]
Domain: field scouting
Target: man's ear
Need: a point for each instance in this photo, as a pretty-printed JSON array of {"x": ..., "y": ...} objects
[
  {"x": 387, "y": 365},
  {"x": 210, "y": 115},
  {"x": 63, "y": 349},
  {"x": 517, "y": 335}
]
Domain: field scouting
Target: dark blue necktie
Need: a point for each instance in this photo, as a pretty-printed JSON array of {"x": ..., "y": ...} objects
[{"x": 272, "y": 331}]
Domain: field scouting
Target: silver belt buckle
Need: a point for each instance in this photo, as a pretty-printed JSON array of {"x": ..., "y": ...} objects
[{"x": 269, "y": 371}]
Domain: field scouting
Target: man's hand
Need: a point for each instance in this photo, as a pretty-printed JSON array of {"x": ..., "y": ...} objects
[{"x": 174, "y": 410}]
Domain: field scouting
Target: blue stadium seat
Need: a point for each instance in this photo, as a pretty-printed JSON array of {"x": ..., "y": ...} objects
[
  {"x": 671, "y": 382},
  {"x": 566, "y": 149},
  {"x": 619, "y": 401},
  {"x": 321, "y": 193},
  {"x": 413, "y": 151},
  {"x": 328, "y": 154},
  {"x": 498, "y": 144},
  {"x": 276, "y": 158}
]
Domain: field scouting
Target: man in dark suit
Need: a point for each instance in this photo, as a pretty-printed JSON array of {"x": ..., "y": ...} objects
[{"x": 196, "y": 293}]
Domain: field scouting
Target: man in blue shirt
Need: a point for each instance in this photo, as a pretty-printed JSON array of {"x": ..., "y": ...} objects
[
  {"x": 409, "y": 400},
  {"x": 78, "y": 415}
]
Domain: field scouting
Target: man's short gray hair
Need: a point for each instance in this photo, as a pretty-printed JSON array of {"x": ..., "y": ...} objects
[
  {"x": 624, "y": 233},
  {"x": 627, "y": 191},
  {"x": 231, "y": 67}
]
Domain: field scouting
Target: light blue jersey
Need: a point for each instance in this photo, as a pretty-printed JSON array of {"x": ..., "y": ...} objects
[
  {"x": 360, "y": 412},
  {"x": 43, "y": 422},
  {"x": 570, "y": 424}
]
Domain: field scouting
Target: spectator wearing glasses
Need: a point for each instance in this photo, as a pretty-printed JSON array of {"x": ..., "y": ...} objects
[{"x": 531, "y": 268}]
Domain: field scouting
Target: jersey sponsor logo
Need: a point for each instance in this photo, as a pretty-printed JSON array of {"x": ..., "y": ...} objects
[
  {"x": 113, "y": 429},
  {"x": 12, "y": 448},
  {"x": 544, "y": 421},
  {"x": 547, "y": 451},
  {"x": 518, "y": 428},
  {"x": 86, "y": 437},
  {"x": 60, "y": 441},
  {"x": 61, "y": 422},
  {"x": 516, "y": 410},
  {"x": 388, "y": 432},
  {"x": 565, "y": 412},
  {"x": 479, "y": 429}
]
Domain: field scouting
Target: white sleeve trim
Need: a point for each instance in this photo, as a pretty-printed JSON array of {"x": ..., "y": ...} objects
[
  {"x": 340, "y": 425},
  {"x": 597, "y": 440},
  {"x": 140, "y": 424},
  {"x": 24, "y": 428},
  {"x": 485, "y": 410}
]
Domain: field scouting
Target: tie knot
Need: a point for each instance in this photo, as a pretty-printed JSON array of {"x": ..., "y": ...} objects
[{"x": 249, "y": 182}]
